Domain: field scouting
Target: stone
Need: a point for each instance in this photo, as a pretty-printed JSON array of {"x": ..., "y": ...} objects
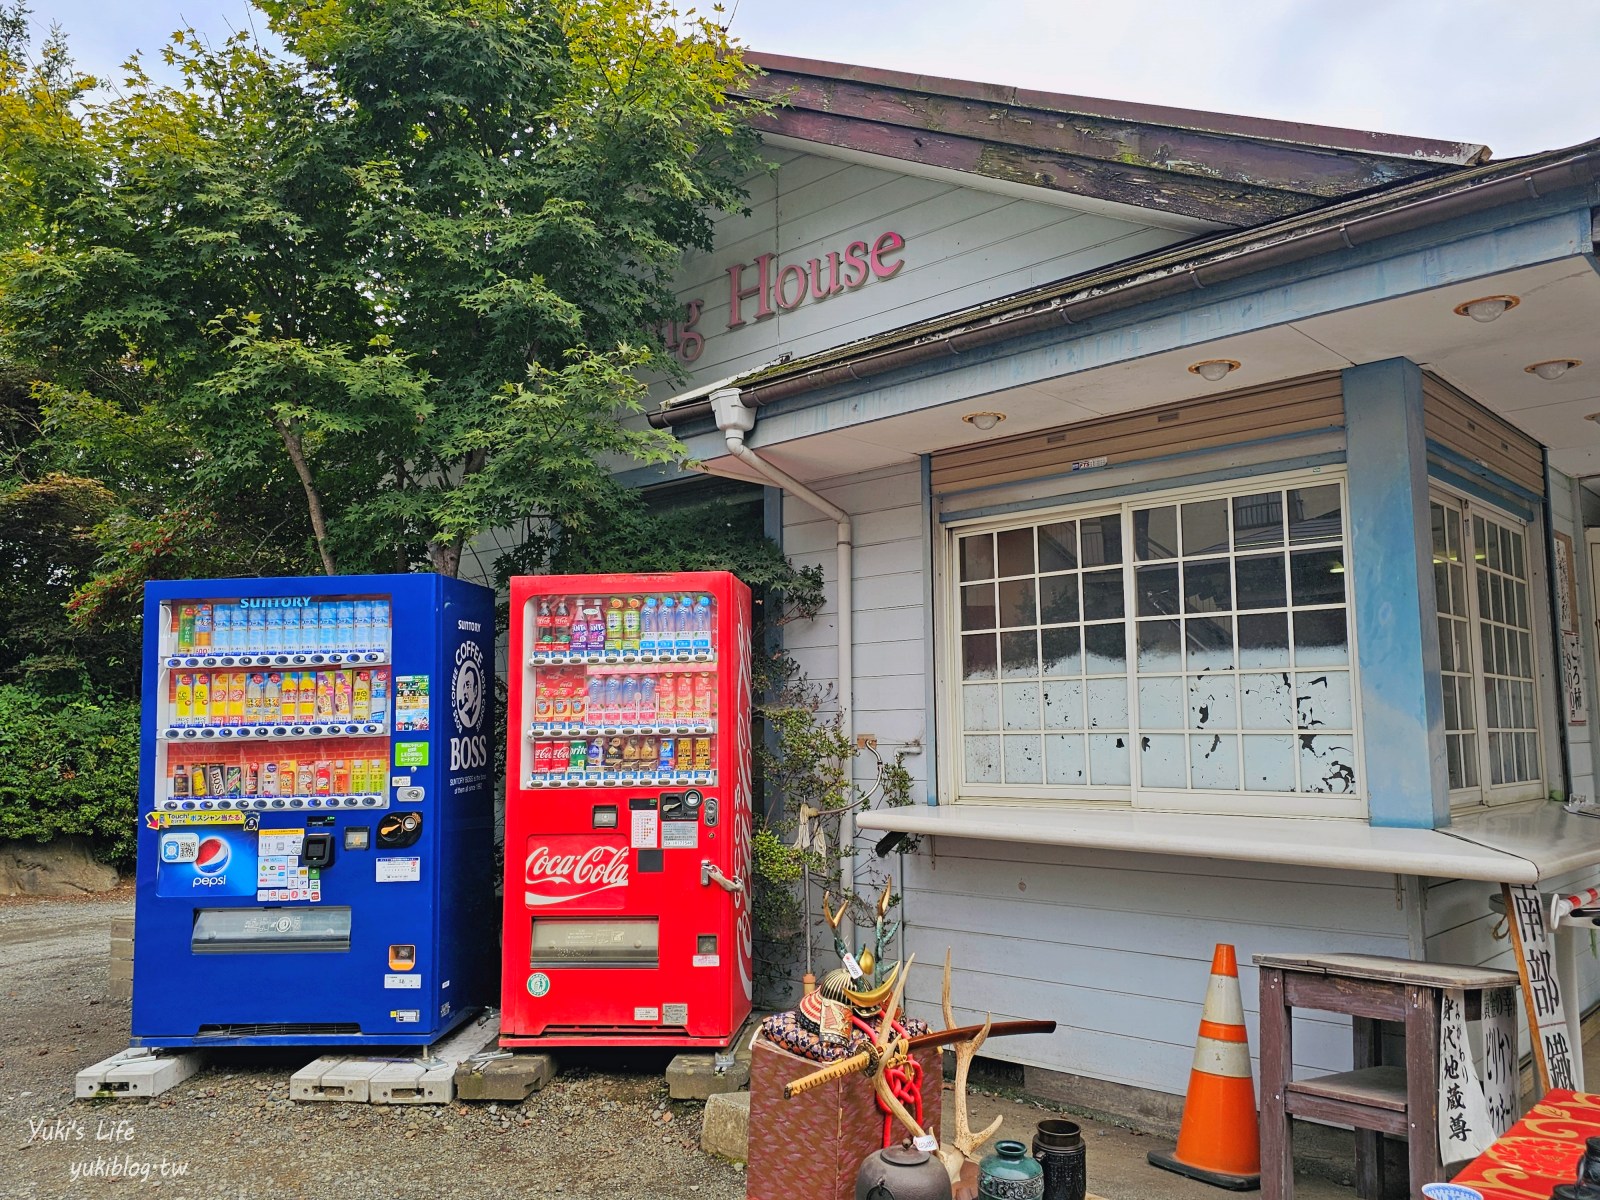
[
  {"x": 514, "y": 1079},
  {"x": 694, "y": 1077},
  {"x": 726, "y": 1128},
  {"x": 64, "y": 867}
]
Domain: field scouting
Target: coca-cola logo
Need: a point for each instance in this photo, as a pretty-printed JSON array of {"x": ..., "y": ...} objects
[{"x": 554, "y": 877}]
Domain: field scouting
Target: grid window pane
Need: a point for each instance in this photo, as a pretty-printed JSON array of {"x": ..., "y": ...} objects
[
  {"x": 1218, "y": 660},
  {"x": 1509, "y": 711}
]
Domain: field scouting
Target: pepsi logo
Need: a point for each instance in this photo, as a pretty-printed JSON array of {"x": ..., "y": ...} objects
[{"x": 212, "y": 857}]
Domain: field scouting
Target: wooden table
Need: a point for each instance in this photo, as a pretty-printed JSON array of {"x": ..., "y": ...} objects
[
  {"x": 1375, "y": 1099},
  {"x": 1539, "y": 1151}
]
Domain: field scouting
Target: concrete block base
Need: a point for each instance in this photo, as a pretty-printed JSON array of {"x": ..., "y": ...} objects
[
  {"x": 512, "y": 1079},
  {"x": 726, "y": 1127},
  {"x": 136, "y": 1074},
  {"x": 695, "y": 1077}
]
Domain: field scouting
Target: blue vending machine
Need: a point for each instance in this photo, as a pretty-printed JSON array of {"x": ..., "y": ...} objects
[{"x": 316, "y": 856}]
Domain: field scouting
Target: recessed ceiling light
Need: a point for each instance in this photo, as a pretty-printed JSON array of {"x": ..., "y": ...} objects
[
  {"x": 984, "y": 420},
  {"x": 1213, "y": 369},
  {"x": 1487, "y": 308},
  {"x": 1553, "y": 368}
]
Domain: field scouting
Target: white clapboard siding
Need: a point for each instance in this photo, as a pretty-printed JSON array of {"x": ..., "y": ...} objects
[
  {"x": 1116, "y": 948},
  {"x": 891, "y": 593},
  {"x": 963, "y": 246}
]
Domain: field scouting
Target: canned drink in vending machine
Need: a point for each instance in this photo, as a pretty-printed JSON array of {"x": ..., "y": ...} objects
[
  {"x": 577, "y": 756},
  {"x": 666, "y": 756},
  {"x": 543, "y": 752},
  {"x": 594, "y": 760},
  {"x": 560, "y": 758}
]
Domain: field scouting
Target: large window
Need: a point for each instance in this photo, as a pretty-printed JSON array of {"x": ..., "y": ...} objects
[
  {"x": 1486, "y": 653},
  {"x": 1190, "y": 653}
]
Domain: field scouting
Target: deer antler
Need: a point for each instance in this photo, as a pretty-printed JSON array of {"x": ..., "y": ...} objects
[
  {"x": 833, "y": 918},
  {"x": 889, "y": 1046},
  {"x": 966, "y": 1142}
]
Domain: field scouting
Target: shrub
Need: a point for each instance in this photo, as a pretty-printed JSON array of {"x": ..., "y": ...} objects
[{"x": 70, "y": 765}]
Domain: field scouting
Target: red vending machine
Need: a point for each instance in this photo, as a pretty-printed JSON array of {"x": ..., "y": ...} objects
[{"x": 628, "y": 811}]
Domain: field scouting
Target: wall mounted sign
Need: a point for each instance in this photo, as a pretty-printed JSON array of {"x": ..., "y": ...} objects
[{"x": 766, "y": 286}]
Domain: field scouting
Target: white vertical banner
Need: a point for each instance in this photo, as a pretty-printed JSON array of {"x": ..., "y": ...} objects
[
  {"x": 1476, "y": 1107},
  {"x": 1536, "y": 965}
]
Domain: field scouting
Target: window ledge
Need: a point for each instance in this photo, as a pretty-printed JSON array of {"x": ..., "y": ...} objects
[
  {"x": 1341, "y": 844},
  {"x": 1541, "y": 832}
]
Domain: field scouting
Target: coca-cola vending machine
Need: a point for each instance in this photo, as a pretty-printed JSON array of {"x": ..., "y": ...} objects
[{"x": 628, "y": 811}]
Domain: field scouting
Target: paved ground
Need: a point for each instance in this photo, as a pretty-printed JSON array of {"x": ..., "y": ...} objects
[{"x": 604, "y": 1129}]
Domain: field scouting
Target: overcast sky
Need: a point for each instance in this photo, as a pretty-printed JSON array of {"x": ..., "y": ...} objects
[{"x": 1520, "y": 76}]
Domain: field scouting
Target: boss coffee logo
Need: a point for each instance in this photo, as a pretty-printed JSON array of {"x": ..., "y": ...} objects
[{"x": 470, "y": 749}]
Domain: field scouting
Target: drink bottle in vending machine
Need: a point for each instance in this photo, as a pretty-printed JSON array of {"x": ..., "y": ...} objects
[{"x": 628, "y": 811}]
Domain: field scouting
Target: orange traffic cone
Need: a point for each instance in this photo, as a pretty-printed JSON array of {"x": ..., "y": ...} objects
[{"x": 1219, "y": 1141}]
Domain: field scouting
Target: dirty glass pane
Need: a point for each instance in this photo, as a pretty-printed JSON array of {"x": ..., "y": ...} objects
[
  {"x": 1207, "y": 586},
  {"x": 1058, "y": 599},
  {"x": 1315, "y": 514},
  {"x": 1021, "y": 705},
  {"x": 1105, "y": 650},
  {"x": 1318, "y": 576},
  {"x": 1161, "y": 761},
  {"x": 1063, "y": 654},
  {"x": 1058, "y": 546},
  {"x": 1212, "y": 702},
  {"x": 1214, "y": 762},
  {"x": 1259, "y": 583},
  {"x": 1109, "y": 762},
  {"x": 1323, "y": 700},
  {"x": 979, "y": 658},
  {"x": 1266, "y": 701},
  {"x": 1327, "y": 763},
  {"x": 1155, "y": 532},
  {"x": 1268, "y": 764},
  {"x": 1156, "y": 589},
  {"x": 1017, "y": 606},
  {"x": 1264, "y": 640},
  {"x": 1019, "y": 654},
  {"x": 980, "y": 707},
  {"x": 982, "y": 759},
  {"x": 1063, "y": 704},
  {"x": 977, "y": 606},
  {"x": 977, "y": 556},
  {"x": 1102, "y": 595},
  {"x": 1108, "y": 703},
  {"x": 1015, "y": 551},
  {"x": 1258, "y": 521},
  {"x": 1101, "y": 540},
  {"x": 1064, "y": 759},
  {"x": 1320, "y": 639},
  {"x": 1210, "y": 643},
  {"x": 1161, "y": 703},
  {"x": 1024, "y": 759},
  {"x": 1160, "y": 646},
  {"x": 1205, "y": 528}
]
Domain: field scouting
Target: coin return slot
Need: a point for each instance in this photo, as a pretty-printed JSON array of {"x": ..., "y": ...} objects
[{"x": 605, "y": 816}]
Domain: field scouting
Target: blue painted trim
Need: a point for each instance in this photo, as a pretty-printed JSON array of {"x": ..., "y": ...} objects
[
  {"x": 1195, "y": 479},
  {"x": 1459, "y": 251},
  {"x": 1492, "y": 478},
  {"x": 1478, "y": 492},
  {"x": 1396, "y": 619},
  {"x": 1554, "y": 616},
  {"x": 655, "y": 473},
  {"x": 930, "y": 672}
]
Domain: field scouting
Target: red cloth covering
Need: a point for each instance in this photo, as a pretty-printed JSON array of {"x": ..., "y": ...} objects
[{"x": 1539, "y": 1151}]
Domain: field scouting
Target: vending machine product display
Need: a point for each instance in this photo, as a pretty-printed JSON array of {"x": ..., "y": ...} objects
[
  {"x": 316, "y": 841},
  {"x": 628, "y": 811}
]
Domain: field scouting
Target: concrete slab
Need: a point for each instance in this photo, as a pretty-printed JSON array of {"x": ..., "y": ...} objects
[
  {"x": 725, "y": 1129},
  {"x": 347, "y": 1080},
  {"x": 136, "y": 1074},
  {"x": 695, "y": 1077},
  {"x": 513, "y": 1078}
]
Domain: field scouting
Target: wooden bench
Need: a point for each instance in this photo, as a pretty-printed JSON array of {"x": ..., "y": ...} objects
[{"x": 1375, "y": 1099}]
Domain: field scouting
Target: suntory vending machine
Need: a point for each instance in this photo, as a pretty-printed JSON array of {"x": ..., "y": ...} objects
[
  {"x": 316, "y": 842},
  {"x": 628, "y": 818}
]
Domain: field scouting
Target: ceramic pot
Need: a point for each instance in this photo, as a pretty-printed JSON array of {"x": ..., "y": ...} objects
[{"x": 1009, "y": 1174}]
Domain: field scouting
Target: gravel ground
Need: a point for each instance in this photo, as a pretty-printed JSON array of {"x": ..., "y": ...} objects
[{"x": 604, "y": 1128}]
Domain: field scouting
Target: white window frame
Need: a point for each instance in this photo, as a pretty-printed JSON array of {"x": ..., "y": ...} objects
[
  {"x": 947, "y": 658},
  {"x": 1484, "y": 793}
]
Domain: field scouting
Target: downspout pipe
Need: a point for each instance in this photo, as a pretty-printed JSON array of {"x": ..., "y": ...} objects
[{"x": 734, "y": 420}]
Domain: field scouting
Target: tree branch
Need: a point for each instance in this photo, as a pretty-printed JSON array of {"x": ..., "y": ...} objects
[{"x": 319, "y": 524}]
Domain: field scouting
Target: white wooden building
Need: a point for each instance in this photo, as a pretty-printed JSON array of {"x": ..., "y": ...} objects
[{"x": 1200, "y": 541}]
